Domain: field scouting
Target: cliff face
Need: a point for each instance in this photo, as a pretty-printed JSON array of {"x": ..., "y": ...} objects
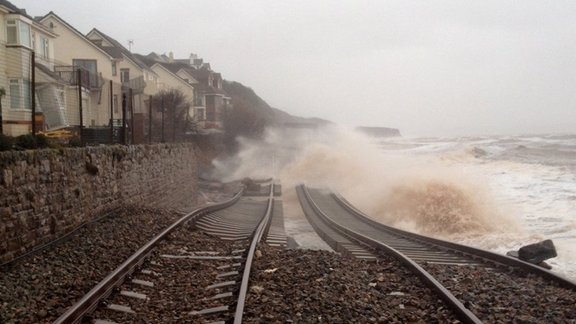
[
  {"x": 251, "y": 115},
  {"x": 244, "y": 99},
  {"x": 379, "y": 131}
]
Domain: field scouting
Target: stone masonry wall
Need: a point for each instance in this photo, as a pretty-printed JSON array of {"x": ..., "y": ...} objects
[{"x": 45, "y": 194}]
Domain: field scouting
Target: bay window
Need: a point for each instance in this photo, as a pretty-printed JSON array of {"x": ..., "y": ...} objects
[{"x": 18, "y": 33}]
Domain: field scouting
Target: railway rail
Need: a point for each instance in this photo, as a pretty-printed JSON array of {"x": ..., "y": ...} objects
[
  {"x": 479, "y": 285},
  {"x": 244, "y": 221}
]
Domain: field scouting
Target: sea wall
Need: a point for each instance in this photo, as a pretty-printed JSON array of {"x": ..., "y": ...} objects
[{"x": 45, "y": 194}]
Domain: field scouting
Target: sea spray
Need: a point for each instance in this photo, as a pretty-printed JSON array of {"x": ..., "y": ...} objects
[{"x": 411, "y": 192}]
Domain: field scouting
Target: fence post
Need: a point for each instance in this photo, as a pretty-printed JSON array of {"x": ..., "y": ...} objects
[
  {"x": 2, "y": 94},
  {"x": 173, "y": 121},
  {"x": 162, "y": 107},
  {"x": 124, "y": 118},
  {"x": 131, "y": 115},
  {"x": 149, "y": 120},
  {"x": 79, "y": 76},
  {"x": 33, "y": 90},
  {"x": 111, "y": 113}
]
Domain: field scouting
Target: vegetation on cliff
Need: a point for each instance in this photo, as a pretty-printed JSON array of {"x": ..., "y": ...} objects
[{"x": 251, "y": 115}]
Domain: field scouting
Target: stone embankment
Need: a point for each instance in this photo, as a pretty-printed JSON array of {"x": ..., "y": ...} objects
[{"x": 45, "y": 194}]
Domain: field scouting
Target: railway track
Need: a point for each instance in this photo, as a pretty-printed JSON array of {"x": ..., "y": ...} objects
[
  {"x": 477, "y": 284},
  {"x": 184, "y": 274}
]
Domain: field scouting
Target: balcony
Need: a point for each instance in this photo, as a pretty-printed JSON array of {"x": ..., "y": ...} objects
[
  {"x": 70, "y": 75},
  {"x": 137, "y": 85}
]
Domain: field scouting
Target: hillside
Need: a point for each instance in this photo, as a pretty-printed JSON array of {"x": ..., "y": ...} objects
[{"x": 260, "y": 113}]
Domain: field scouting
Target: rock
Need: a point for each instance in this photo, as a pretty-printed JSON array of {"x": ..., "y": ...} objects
[
  {"x": 513, "y": 254},
  {"x": 537, "y": 252},
  {"x": 545, "y": 265}
]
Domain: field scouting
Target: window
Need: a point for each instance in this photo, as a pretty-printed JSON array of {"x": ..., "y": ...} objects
[
  {"x": 12, "y": 32},
  {"x": 44, "y": 48},
  {"x": 200, "y": 114},
  {"x": 124, "y": 75},
  {"x": 114, "y": 71},
  {"x": 20, "y": 94},
  {"x": 91, "y": 67},
  {"x": 18, "y": 33}
]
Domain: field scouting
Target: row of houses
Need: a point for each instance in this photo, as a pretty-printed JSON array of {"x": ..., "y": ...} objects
[{"x": 49, "y": 50}]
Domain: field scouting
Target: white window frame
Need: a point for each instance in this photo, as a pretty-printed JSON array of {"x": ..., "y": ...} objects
[
  {"x": 122, "y": 76},
  {"x": 19, "y": 96},
  {"x": 45, "y": 47},
  {"x": 18, "y": 33}
]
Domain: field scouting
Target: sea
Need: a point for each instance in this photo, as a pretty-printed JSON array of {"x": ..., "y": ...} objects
[
  {"x": 497, "y": 193},
  {"x": 527, "y": 181}
]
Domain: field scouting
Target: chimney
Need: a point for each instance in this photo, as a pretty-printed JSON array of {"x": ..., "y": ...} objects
[
  {"x": 171, "y": 57},
  {"x": 192, "y": 58}
]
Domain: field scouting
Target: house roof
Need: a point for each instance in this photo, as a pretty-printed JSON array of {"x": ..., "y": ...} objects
[
  {"x": 74, "y": 30},
  {"x": 12, "y": 8},
  {"x": 117, "y": 50},
  {"x": 162, "y": 66}
]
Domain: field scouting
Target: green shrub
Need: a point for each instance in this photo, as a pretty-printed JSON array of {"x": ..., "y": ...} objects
[
  {"x": 42, "y": 141},
  {"x": 30, "y": 142},
  {"x": 75, "y": 142},
  {"x": 26, "y": 142},
  {"x": 6, "y": 142}
]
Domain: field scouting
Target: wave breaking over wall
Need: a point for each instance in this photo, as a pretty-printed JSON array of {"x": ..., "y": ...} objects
[{"x": 411, "y": 192}]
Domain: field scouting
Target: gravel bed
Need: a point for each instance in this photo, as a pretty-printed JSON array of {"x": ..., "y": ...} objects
[
  {"x": 38, "y": 289},
  {"x": 506, "y": 297},
  {"x": 179, "y": 284},
  {"x": 306, "y": 286}
]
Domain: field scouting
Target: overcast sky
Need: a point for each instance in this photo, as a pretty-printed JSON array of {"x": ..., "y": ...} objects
[{"x": 444, "y": 68}]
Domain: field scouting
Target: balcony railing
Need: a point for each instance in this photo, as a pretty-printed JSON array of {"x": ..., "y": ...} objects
[
  {"x": 137, "y": 84},
  {"x": 70, "y": 74}
]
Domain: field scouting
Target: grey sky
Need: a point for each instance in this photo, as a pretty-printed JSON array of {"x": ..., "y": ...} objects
[{"x": 426, "y": 67}]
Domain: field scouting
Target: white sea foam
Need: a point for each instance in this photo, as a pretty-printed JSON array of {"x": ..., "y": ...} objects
[{"x": 497, "y": 193}]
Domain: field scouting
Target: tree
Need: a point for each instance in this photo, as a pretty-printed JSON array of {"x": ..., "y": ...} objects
[{"x": 171, "y": 120}]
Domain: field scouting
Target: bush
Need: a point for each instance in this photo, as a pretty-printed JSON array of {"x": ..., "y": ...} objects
[
  {"x": 26, "y": 142},
  {"x": 75, "y": 142},
  {"x": 42, "y": 141},
  {"x": 6, "y": 142},
  {"x": 30, "y": 142}
]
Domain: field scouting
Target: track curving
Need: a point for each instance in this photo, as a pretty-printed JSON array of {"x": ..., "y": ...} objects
[{"x": 479, "y": 285}]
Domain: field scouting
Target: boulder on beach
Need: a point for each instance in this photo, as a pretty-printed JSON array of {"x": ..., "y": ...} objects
[{"x": 537, "y": 252}]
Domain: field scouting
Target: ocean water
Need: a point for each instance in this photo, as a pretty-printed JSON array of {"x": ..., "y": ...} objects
[
  {"x": 530, "y": 181},
  {"x": 496, "y": 193}
]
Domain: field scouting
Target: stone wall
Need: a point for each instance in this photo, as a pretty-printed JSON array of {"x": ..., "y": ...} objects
[{"x": 45, "y": 194}]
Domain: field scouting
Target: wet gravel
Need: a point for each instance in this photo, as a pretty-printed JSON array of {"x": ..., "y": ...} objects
[
  {"x": 41, "y": 288},
  {"x": 506, "y": 297},
  {"x": 304, "y": 286},
  {"x": 179, "y": 283}
]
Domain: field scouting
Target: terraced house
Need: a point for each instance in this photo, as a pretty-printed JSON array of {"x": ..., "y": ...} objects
[
  {"x": 40, "y": 58},
  {"x": 20, "y": 36}
]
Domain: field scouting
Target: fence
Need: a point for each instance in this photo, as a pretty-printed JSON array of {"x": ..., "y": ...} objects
[{"x": 64, "y": 101}]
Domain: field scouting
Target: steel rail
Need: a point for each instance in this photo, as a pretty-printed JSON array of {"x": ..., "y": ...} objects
[
  {"x": 468, "y": 250},
  {"x": 464, "y": 314},
  {"x": 91, "y": 300},
  {"x": 257, "y": 236}
]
